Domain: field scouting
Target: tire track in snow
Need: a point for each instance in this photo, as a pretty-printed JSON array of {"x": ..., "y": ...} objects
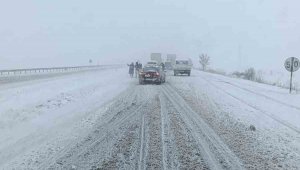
[
  {"x": 255, "y": 149},
  {"x": 142, "y": 144},
  {"x": 181, "y": 142},
  {"x": 108, "y": 131},
  {"x": 117, "y": 135},
  {"x": 138, "y": 145},
  {"x": 163, "y": 131},
  {"x": 182, "y": 147},
  {"x": 148, "y": 152},
  {"x": 109, "y": 122},
  {"x": 217, "y": 154},
  {"x": 168, "y": 144}
]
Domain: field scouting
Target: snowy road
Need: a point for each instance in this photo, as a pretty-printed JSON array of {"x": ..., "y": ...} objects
[{"x": 105, "y": 120}]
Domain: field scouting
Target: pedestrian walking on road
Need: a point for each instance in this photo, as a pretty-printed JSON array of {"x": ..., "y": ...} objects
[
  {"x": 163, "y": 66},
  {"x": 136, "y": 68},
  {"x": 139, "y": 68},
  {"x": 131, "y": 69}
]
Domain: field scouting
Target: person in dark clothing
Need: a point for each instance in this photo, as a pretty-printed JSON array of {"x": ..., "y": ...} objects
[
  {"x": 163, "y": 66},
  {"x": 136, "y": 68},
  {"x": 136, "y": 64},
  {"x": 140, "y": 68},
  {"x": 131, "y": 69}
]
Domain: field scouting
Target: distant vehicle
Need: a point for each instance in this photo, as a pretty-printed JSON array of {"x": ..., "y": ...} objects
[
  {"x": 152, "y": 74},
  {"x": 156, "y": 57},
  {"x": 168, "y": 65},
  {"x": 182, "y": 67},
  {"x": 151, "y": 64},
  {"x": 171, "y": 58}
]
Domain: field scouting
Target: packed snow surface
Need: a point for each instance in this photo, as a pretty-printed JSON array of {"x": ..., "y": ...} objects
[{"x": 103, "y": 119}]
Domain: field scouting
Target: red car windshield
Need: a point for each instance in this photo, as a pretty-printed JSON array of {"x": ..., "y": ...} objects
[{"x": 150, "y": 69}]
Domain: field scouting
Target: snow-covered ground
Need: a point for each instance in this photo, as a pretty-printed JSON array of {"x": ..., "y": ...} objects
[
  {"x": 232, "y": 105},
  {"x": 280, "y": 78},
  {"x": 105, "y": 120},
  {"x": 270, "y": 101},
  {"x": 33, "y": 112}
]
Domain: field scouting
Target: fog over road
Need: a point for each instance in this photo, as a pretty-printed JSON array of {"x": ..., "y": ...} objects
[{"x": 106, "y": 120}]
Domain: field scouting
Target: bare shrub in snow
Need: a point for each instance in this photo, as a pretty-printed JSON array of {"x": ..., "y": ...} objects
[
  {"x": 249, "y": 74},
  {"x": 238, "y": 74},
  {"x": 204, "y": 60},
  {"x": 252, "y": 128},
  {"x": 259, "y": 77}
]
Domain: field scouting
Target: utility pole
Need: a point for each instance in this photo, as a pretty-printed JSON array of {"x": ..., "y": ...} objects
[
  {"x": 240, "y": 58},
  {"x": 291, "y": 79}
]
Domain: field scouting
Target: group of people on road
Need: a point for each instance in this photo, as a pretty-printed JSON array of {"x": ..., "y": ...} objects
[{"x": 135, "y": 68}]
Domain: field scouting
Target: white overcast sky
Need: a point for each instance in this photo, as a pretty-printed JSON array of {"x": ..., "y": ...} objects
[{"x": 37, "y": 33}]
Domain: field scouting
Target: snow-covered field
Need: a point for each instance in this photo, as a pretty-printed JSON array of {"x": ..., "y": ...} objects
[{"x": 105, "y": 120}]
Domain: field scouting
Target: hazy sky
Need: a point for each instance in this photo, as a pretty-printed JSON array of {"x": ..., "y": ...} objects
[{"x": 235, "y": 33}]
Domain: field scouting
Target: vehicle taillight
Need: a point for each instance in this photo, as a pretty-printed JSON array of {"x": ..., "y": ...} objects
[{"x": 157, "y": 73}]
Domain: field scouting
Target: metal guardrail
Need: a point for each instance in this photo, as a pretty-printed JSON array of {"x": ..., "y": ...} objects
[{"x": 54, "y": 69}]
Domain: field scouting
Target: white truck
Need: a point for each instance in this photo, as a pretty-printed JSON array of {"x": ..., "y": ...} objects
[
  {"x": 172, "y": 59},
  {"x": 156, "y": 57},
  {"x": 183, "y": 67}
]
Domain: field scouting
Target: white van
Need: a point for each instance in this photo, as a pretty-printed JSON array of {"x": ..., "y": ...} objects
[{"x": 182, "y": 67}]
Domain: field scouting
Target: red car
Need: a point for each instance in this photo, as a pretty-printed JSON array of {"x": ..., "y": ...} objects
[{"x": 152, "y": 74}]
